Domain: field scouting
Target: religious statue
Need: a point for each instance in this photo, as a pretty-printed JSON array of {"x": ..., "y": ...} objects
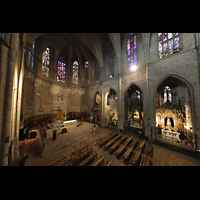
[{"x": 168, "y": 122}]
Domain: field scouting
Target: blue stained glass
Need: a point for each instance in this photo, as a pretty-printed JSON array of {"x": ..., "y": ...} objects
[
  {"x": 131, "y": 62},
  {"x": 168, "y": 43},
  {"x": 165, "y": 37},
  {"x": 132, "y": 49},
  {"x": 31, "y": 55},
  {"x": 61, "y": 70}
]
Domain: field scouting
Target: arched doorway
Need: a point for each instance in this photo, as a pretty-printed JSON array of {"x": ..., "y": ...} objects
[
  {"x": 134, "y": 117},
  {"x": 111, "y": 109},
  {"x": 174, "y": 117}
]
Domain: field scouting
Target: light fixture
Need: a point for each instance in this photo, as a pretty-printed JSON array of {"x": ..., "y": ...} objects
[{"x": 133, "y": 67}]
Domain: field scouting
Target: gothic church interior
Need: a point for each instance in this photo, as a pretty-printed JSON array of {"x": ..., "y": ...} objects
[{"x": 140, "y": 91}]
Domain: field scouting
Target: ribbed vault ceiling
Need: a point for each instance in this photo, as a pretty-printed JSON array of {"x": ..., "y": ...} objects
[{"x": 80, "y": 46}]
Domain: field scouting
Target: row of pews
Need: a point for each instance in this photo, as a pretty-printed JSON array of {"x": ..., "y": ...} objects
[
  {"x": 132, "y": 151},
  {"x": 84, "y": 156}
]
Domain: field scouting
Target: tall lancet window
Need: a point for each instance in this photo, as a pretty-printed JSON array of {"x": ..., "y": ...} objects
[
  {"x": 31, "y": 55},
  {"x": 75, "y": 73},
  {"x": 87, "y": 77},
  {"x": 167, "y": 94},
  {"x": 61, "y": 70},
  {"x": 132, "y": 50},
  {"x": 45, "y": 62}
]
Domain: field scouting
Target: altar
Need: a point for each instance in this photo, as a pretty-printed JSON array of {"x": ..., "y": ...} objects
[
  {"x": 170, "y": 133},
  {"x": 69, "y": 122}
]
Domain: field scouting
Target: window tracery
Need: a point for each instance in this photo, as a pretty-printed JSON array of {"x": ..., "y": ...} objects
[
  {"x": 75, "y": 73},
  {"x": 61, "y": 69},
  {"x": 132, "y": 50},
  {"x": 168, "y": 43},
  {"x": 45, "y": 62}
]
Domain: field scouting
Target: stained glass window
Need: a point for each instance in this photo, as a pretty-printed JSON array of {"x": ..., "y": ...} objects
[
  {"x": 61, "y": 69},
  {"x": 45, "y": 62},
  {"x": 87, "y": 78},
  {"x": 75, "y": 73},
  {"x": 132, "y": 50},
  {"x": 31, "y": 55},
  {"x": 168, "y": 43},
  {"x": 167, "y": 94}
]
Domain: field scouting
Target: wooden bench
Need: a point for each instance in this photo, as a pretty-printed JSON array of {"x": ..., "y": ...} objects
[
  {"x": 79, "y": 152},
  {"x": 77, "y": 159},
  {"x": 145, "y": 161},
  {"x": 98, "y": 161},
  {"x": 87, "y": 159},
  {"x": 129, "y": 149},
  {"x": 100, "y": 139},
  {"x": 117, "y": 143},
  {"x": 122, "y": 147},
  {"x": 134, "y": 158},
  {"x": 140, "y": 146},
  {"x": 104, "y": 140},
  {"x": 111, "y": 141},
  {"x": 60, "y": 162}
]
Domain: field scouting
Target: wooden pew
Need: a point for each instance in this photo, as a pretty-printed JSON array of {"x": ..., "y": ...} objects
[
  {"x": 121, "y": 148},
  {"x": 87, "y": 159},
  {"x": 111, "y": 141},
  {"x": 135, "y": 157},
  {"x": 117, "y": 143},
  {"x": 79, "y": 152},
  {"x": 59, "y": 162},
  {"x": 103, "y": 137},
  {"x": 98, "y": 161},
  {"x": 140, "y": 146},
  {"x": 107, "y": 138},
  {"x": 129, "y": 149},
  {"x": 77, "y": 159},
  {"x": 145, "y": 161}
]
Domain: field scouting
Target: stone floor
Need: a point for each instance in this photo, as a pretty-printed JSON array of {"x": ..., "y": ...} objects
[{"x": 77, "y": 137}]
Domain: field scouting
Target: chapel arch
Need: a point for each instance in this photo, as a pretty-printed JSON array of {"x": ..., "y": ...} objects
[
  {"x": 111, "y": 108},
  {"x": 134, "y": 116},
  {"x": 174, "y": 112}
]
